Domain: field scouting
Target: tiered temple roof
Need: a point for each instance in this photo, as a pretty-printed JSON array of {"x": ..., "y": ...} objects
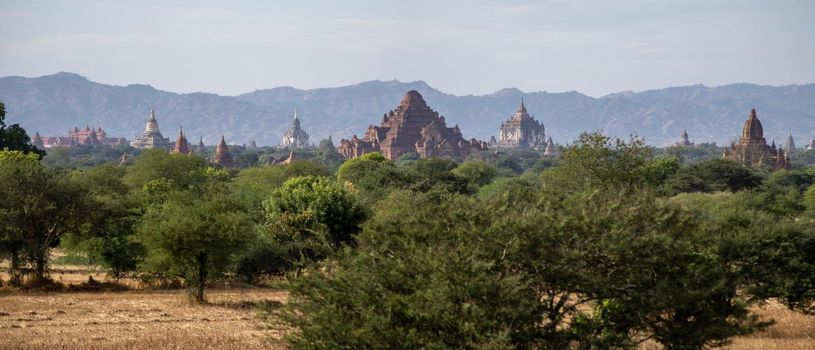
[
  {"x": 413, "y": 127},
  {"x": 683, "y": 139},
  {"x": 521, "y": 130},
  {"x": 152, "y": 137},
  {"x": 551, "y": 149},
  {"x": 752, "y": 149},
  {"x": 295, "y": 137},
  {"x": 181, "y": 144},
  {"x": 222, "y": 155}
]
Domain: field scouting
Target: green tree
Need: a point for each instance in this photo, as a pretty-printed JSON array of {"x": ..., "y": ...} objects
[
  {"x": 40, "y": 206},
  {"x": 184, "y": 171},
  {"x": 324, "y": 201},
  {"x": 195, "y": 237},
  {"x": 712, "y": 175},
  {"x": 476, "y": 172},
  {"x": 14, "y": 137},
  {"x": 419, "y": 278},
  {"x": 596, "y": 160},
  {"x": 254, "y": 185},
  {"x": 109, "y": 237},
  {"x": 372, "y": 176}
]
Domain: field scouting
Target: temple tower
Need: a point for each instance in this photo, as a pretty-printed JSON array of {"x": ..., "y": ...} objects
[
  {"x": 222, "y": 155},
  {"x": 181, "y": 144},
  {"x": 521, "y": 130},
  {"x": 152, "y": 138},
  {"x": 295, "y": 137}
]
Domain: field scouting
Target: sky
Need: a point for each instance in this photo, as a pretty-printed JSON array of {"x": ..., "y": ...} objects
[{"x": 461, "y": 47}]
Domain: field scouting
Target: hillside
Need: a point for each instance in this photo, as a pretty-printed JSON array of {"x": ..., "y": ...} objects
[{"x": 53, "y": 104}]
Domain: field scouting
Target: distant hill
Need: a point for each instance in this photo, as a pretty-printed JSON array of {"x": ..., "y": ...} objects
[{"x": 52, "y": 104}]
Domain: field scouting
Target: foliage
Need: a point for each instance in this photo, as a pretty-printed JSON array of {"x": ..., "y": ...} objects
[
  {"x": 712, "y": 175},
  {"x": 477, "y": 173},
  {"x": 14, "y": 137},
  {"x": 254, "y": 185},
  {"x": 325, "y": 202},
  {"x": 411, "y": 284},
  {"x": 596, "y": 160},
  {"x": 194, "y": 237},
  {"x": 183, "y": 171},
  {"x": 372, "y": 176},
  {"x": 39, "y": 207}
]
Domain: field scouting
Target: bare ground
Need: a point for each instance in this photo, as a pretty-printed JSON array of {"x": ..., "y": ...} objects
[{"x": 136, "y": 320}]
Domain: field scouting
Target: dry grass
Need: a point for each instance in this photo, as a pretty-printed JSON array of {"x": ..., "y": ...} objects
[{"x": 135, "y": 320}]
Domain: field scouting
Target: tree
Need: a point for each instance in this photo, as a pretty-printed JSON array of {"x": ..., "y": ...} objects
[
  {"x": 195, "y": 237},
  {"x": 108, "y": 239},
  {"x": 40, "y": 206},
  {"x": 14, "y": 137},
  {"x": 712, "y": 175},
  {"x": 435, "y": 174},
  {"x": 476, "y": 172},
  {"x": 324, "y": 201},
  {"x": 372, "y": 176},
  {"x": 596, "y": 160},
  {"x": 419, "y": 278},
  {"x": 182, "y": 170},
  {"x": 254, "y": 185}
]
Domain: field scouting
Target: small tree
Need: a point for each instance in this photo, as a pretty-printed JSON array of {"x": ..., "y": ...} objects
[{"x": 194, "y": 237}]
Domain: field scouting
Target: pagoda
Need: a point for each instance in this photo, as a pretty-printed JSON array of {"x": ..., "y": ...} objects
[
  {"x": 200, "y": 149},
  {"x": 152, "y": 137},
  {"x": 412, "y": 127},
  {"x": 551, "y": 150},
  {"x": 222, "y": 155},
  {"x": 295, "y": 137},
  {"x": 752, "y": 149},
  {"x": 36, "y": 141},
  {"x": 683, "y": 139},
  {"x": 181, "y": 144},
  {"x": 789, "y": 146},
  {"x": 521, "y": 130}
]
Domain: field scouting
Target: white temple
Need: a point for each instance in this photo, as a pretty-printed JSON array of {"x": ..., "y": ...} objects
[
  {"x": 152, "y": 137},
  {"x": 295, "y": 137}
]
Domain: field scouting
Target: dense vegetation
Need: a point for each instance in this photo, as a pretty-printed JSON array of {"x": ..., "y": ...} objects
[{"x": 606, "y": 246}]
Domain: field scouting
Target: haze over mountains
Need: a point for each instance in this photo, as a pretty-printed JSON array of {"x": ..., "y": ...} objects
[{"x": 52, "y": 104}]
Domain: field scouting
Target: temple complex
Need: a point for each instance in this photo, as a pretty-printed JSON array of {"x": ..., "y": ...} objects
[
  {"x": 521, "y": 130},
  {"x": 683, "y": 139},
  {"x": 87, "y": 136},
  {"x": 412, "y": 127},
  {"x": 181, "y": 144},
  {"x": 295, "y": 137},
  {"x": 752, "y": 149},
  {"x": 222, "y": 155},
  {"x": 152, "y": 137}
]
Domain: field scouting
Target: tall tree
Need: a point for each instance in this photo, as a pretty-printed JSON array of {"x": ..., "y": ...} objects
[
  {"x": 14, "y": 137},
  {"x": 195, "y": 237},
  {"x": 40, "y": 205}
]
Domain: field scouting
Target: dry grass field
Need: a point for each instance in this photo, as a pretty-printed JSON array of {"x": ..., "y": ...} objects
[
  {"x": 164, "y": 319},
  {"x": 135, "y": 320}
]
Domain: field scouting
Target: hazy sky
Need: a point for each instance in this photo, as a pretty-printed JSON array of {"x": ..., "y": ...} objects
[{"x": 460, "y": 47}]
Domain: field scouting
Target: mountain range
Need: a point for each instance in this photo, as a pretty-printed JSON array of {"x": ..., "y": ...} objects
[{"x": 53, "y": 104}]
